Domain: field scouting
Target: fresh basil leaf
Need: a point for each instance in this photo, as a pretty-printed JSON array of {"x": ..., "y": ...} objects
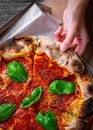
[
  {"x": 26, "y": 102},
  {"x": 34, "y": 97},
  {"x": 48, "y": 121},
  {"x": 62, "y": 87},
  {"x": 6, "y": 111},
  {"x": 16, "y": 71}
]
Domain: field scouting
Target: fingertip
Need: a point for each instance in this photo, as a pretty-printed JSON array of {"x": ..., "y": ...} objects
[
  {"x": 59, "y": 30},
  {"x": 67, "y": 42},
  {"x": 79, "y": 50},
  {"x": 57, "y": 36},
  {"x": 70, "y": 36},
  {"x": 56, "y": 33},
  {"x": 64, "y": 47}
]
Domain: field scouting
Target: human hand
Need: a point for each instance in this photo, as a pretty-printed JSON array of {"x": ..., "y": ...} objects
[{"x": 73, "y": 34}]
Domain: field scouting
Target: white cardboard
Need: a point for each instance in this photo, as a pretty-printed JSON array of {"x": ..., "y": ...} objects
[{"x": 33, "y": 22}]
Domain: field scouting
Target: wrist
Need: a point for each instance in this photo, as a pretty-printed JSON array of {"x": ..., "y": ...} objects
[{"x": 77, "y": 6}]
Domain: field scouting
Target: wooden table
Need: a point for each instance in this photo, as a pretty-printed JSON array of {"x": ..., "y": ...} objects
[{"x": 10, "y": 8}]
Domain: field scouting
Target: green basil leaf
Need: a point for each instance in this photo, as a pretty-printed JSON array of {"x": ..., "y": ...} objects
[
  {"x": 16, "y": 71},
  {"x": 48, "y": 121},
  {"x": 34, "y": 97},
  {"x": 62, "y": 87},
  {"x": 6, "y": 111}
]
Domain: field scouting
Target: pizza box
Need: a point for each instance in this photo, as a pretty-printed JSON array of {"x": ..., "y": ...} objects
[{"x": 35, "y": 20}]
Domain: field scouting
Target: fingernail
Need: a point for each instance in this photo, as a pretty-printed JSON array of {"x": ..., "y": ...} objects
[
  {"x": 64, "y": 48},
  {"x": 59, "y": 29}
]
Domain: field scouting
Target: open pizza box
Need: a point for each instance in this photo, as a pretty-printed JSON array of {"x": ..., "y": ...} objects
[{"x": 35, "y": 20}]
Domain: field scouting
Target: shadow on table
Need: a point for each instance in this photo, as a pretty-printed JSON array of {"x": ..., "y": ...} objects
[{"x": 89, "y": 22}]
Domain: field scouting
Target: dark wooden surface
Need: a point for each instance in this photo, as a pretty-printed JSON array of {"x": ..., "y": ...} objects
[{"x": 10, "y": 8}]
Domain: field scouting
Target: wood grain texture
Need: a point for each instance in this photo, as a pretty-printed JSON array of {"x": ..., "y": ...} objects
[
  {"x": 10, "y": 8},
  {"x": 14, "y": 1}
]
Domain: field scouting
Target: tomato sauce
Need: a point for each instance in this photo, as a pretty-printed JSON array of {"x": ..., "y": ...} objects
[
  {"x": 47, "y": 70},
  {"x": 27, "y": 62},
  {"x": 2, "y": 66},
  {"x": 42, "y": 73}
]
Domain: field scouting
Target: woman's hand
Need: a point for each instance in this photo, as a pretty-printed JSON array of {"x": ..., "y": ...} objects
[{"x": 74, "y": 28}]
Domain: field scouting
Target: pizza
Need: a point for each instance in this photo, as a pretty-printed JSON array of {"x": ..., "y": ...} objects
[{"x": 42, "y": 88}]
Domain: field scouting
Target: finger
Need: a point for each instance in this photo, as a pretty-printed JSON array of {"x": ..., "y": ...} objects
[
  {"x": 60, "y": 35},
  {"x": 81, "y": 47},
  {"x": 58, "y": 31},
  {"x": 59, "y": 38},
  {"x": 73, "y": 46},
  {"x": 84, "y": 41},
  {"x": 69, "y": 39},
  {"x": 76, "y": 42}
]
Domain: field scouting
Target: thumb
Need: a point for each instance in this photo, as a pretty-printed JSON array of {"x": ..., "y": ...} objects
[{"x": 69, "y": 39}]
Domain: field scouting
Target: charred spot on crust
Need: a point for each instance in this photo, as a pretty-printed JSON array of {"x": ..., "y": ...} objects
[
  {"x": 6, "y": 45},
  {"x": 85, "y": 72},
  {"x": 11, "y": 41},
  {"x": 16, "y": 44},
  {"x": 87, "y": 108},
  {"x": 67, "y": 62},
  {"x": 89, "y": 123},
  {"x": 69, "y": 53},
  {"x": 39, "y": 44},
  {"x": 77, "y": 66},
  {"x": 18, "y": 38},
  {"x": 26, "y": 39},
  {"x": 78, "y": 125},
  {"x": 18, "y": 48},
  {"x": 90, "y": 88}
]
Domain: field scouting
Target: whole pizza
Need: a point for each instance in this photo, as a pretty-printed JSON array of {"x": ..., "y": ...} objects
[{"x": 42, "y": 88}]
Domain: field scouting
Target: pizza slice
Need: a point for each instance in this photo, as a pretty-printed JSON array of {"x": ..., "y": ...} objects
[
  {"x": 51, "y": 64},
  {"x": 17, "y": 53},
  {"x": 18, "y": 47}
]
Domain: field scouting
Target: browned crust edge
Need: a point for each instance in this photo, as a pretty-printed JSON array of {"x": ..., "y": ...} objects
[{"x": 19, "y": 46}]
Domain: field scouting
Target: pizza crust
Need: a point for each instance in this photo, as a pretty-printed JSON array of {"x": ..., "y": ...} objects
[
  {"x": 89, "y": 123},
  {"x": 18, "y": 47},
  {"x": 67, "y": 59},
  {"x": 76, "y": 124}
]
